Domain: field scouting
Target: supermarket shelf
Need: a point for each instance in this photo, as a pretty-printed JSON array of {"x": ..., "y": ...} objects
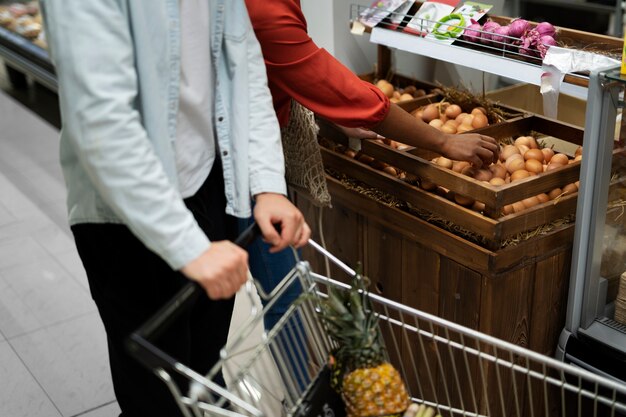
[
  {"x": 497, "y": 64},
  {"x": 22, "y": 55}
]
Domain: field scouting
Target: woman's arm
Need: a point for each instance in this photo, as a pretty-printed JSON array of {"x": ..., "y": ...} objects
[{"x": 319, "y": 82}]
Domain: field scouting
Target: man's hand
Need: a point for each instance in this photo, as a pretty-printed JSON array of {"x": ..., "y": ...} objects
[
  {"x": 221, "y": 270},
  {"x": 478, "y": 149},
  {"x": 275, "y": 209}
]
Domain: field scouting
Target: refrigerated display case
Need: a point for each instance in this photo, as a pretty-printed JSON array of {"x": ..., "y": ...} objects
[
  {"x": 595, "y": 332},
  {"x": 23, "y": 47}
]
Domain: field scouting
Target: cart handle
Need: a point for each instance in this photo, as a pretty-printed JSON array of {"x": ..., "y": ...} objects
[{"x": 139, "y": 343}]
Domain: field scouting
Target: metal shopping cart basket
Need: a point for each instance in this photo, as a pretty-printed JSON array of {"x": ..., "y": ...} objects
[{"x": 453, "y": 369}]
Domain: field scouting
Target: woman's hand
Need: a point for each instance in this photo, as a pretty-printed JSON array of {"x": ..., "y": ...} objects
[{"x": 472, "y": 147}]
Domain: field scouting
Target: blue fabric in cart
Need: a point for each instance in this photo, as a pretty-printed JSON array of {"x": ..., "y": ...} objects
[{"x": 269, "y": 269}]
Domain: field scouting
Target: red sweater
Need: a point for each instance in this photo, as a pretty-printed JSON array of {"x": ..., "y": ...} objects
[{"x": 297, "y": 68}]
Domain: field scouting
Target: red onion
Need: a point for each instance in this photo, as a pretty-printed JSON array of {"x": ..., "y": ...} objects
[
  {"x": 529, "y": 42},
  {"x": 534, "y": 44},
  {"x": 500, "y": 36},
  {"x": 546, "y": 29},
  {"x": 472, "y": 32},
  {"x": 518, "y": 27},
  {"x": 488, "y": 29},
  {"x": 545, "y": 42}
]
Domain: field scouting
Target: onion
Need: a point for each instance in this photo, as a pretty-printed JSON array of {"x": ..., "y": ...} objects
[
  {"x": 518, "y": 27},
  {"x": 500, "y": 36},
  {"x": 488, "y": 29},
  {"x": 546, "y": 29},
  {"x": 472, "y": 32},
  {"x": 530, "y": 44},
  {"x": 525, "y": 48},
  {"x": 545, "y": 42}
]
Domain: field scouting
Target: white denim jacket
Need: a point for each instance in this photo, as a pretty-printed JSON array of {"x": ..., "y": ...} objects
[{"x": 118, "y": 67}]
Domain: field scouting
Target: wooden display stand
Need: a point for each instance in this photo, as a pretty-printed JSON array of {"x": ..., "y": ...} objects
[{"x": 517, "y": 294}]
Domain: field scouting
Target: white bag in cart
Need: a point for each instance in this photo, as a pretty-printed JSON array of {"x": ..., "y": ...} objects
[{"x": 247, "y": 302}]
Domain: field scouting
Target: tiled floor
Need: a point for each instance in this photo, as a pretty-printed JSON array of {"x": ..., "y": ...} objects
[{"x": 53, "y": 359}]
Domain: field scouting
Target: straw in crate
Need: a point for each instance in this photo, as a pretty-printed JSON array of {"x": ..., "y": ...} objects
[{"x": 443, "y": 367}]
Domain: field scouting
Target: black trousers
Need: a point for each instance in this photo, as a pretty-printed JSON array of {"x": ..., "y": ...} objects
[{"x": 129, "y": 283}]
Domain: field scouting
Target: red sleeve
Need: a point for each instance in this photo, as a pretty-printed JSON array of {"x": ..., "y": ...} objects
[{"x": 297, "y": 68}]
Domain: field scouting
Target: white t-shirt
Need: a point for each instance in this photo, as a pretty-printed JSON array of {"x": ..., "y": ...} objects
[{"x": 195, "y": 141}]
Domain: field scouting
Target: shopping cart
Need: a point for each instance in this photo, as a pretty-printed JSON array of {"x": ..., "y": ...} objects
[{"x": 453, "y": 369}]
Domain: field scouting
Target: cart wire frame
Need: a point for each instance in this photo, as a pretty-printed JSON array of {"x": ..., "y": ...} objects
[{"x": 453, "y": 369}]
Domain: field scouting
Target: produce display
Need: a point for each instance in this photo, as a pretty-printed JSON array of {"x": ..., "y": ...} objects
[
  {"x": 519, "y": 36},
  {"x": 368, "y": 384},
  {"x": 524, "y": 158},
  {"x": 397, "y": 95},
  {"x": 25, "y": 19},
  {"x": 450, "y": 118},
  {"x": 518, "y": 161}
]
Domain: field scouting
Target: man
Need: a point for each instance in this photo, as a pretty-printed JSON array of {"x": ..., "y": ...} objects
[{"x": 168, "y": 131}]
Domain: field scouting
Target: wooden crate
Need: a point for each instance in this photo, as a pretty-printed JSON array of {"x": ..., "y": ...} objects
[
  {"x": 412, "y": 105},
  {"x": 492, "y": 225},
  {"x": 401, "y": 81},
  {"x": 518, "y": 294}
]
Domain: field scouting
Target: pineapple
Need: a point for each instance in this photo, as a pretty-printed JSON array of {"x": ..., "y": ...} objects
[{"x": 369, "y": 385}]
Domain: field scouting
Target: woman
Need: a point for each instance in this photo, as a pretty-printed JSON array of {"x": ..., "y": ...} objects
[{"x": 298, "y": 70}]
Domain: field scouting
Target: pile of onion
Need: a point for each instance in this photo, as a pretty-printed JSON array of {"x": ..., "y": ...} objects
[{"x": 517, "y": 35}]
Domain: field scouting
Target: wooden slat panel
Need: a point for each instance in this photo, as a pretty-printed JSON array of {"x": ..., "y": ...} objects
[
  {"x": 441, "y": 241},
  {"x": 384, "y": 62},
  {"x": 383, "y": 266},
  {"x": 542, "y": 183},
  {"x": 506, "y": 303},
  {"x": 460, "y": 294},
  {"x": 534, "y": 217},
  {"x": 505, "y": 314},
  {"x": 459, "y": 302},
  {"x": 343, "y": 233},
  {"x": 558, "y": 129},
  {"x": 529, "y": 251},
  {"x": 383, "y": 261},
  {"x": 420, "y": 276},
  {"x": 549, "y": 302},
  {"x": 420, "y": 289},
  {"x": 547, "y": 126}
]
